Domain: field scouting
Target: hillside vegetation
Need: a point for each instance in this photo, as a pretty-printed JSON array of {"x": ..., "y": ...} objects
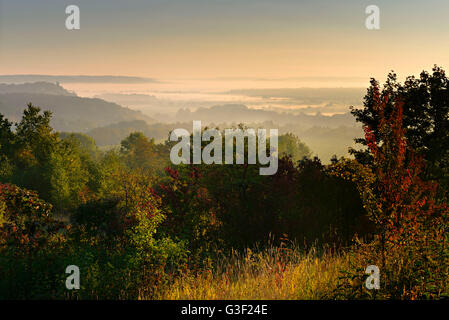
[
  {"x": 141, "y": 227},
  {"x": 71, "y": 113}
]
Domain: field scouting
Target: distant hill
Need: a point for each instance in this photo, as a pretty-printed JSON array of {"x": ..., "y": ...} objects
[
  {"x": 70, "y": 113},
  {"x": 20, "y": 78},
  {"x": 238, "y": 113},
  {"x": 35, "y": 87}
]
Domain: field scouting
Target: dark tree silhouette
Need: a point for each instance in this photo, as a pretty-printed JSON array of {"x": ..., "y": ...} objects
[{"x": 425, "y": 118}]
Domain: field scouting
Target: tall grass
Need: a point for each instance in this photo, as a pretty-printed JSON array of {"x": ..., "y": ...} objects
[{"x": 273, "y": 273}]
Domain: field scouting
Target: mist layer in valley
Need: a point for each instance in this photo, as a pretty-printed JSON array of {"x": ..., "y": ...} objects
[{"x": 109, "y": 112}]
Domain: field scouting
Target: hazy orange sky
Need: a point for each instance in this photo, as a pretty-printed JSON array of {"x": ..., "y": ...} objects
[{"x": 167, "y": 39}]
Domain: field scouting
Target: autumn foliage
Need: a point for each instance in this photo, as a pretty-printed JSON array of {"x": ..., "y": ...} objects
[{"x": 410, "y": 242}]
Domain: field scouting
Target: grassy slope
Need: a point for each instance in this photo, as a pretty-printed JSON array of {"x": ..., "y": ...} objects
[{"x": 273, "y": 274}]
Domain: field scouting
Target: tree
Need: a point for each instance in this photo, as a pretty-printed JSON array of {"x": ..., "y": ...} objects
[
  {"x": 35, "y": 133},
  {"x": 85, "y": 142},
  {"x": 69, "y": 175},
  {"x": 425, "y": 117},
  {"x": 291, "y": 145},
  {"x": 63, "y": 172},
  {"x": 411, "y": 223},
  {"x": 29, "y": 150},
  {"x": 139, "y": 151},
  {"x": 7, "y": 145},
  {"x": 7, "y": 137}
]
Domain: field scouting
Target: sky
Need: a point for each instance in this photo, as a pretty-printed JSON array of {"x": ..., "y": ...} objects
[{"x": 223, "y": 39}]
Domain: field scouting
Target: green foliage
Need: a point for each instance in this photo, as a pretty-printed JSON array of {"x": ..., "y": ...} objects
[
  {"x": 112, "y": 231},
  {"x": 117, "y": 250},
  {"x": 291, "y": 145},
  {"x": 139, "y": 152},
  {"x": 30, "y": 148},
  {"x": 86, "y": 143},
  {"x": 68, "y": 176},
  {"x": 34, "y": 157}
]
